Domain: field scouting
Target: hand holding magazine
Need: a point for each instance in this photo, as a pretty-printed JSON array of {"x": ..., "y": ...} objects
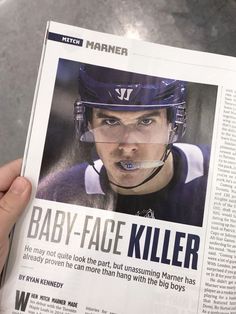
[
  {"x": 14, "y": 196},
  {"x": 131, "y": 153}
]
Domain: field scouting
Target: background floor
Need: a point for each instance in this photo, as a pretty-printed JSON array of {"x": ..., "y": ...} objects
[{"x": 207, "y": 25}]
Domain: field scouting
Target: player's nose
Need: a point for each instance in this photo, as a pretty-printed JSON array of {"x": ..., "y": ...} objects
[{"x": 128, "y": 148}]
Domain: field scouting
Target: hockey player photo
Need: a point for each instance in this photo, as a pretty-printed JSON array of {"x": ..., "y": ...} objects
[{"x": 129, "y": 151}]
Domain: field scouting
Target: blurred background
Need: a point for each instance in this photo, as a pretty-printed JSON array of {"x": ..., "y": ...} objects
[{"x": 207, "y": 25}]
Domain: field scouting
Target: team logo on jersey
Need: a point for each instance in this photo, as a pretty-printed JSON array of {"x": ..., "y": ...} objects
[{"x": 124, "y": 93}]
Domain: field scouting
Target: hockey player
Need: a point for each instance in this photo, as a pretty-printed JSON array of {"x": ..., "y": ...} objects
[{"x": 128, "y": 125}]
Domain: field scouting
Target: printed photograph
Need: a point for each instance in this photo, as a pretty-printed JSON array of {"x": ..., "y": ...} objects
[{"x": 128, "y": 142}]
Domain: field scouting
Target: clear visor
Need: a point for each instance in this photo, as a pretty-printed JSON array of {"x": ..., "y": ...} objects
[
  {"x": 113, "y": 123},
  {"x": 145, "y": 132}
]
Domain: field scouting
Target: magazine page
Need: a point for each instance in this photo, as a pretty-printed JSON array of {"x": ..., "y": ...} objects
[
  {"x": 131, "y": 154},
  {"x": 219, "y": 293}
]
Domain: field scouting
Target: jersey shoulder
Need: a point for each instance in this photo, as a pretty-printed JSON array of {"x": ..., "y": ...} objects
[
  {"x": 61, "y": 185},
  {"x": 72, "y": 185},
  {"x": 193, "y": 160}
]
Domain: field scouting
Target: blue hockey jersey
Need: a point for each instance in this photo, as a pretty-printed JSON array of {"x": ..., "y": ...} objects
[{"x": 181, "y": 201}]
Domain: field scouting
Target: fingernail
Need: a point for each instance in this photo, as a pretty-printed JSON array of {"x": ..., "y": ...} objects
[{"x": 19, "y": 185}]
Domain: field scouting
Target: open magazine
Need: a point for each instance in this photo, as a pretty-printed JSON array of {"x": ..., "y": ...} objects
[{"x": 131, "y": 152}]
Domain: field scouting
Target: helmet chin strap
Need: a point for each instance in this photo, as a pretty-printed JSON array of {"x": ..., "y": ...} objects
[{"x": 150, "y": 177}]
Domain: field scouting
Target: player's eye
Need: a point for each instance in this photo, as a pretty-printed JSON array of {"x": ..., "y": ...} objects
[
  {"x": 146, "y": 121},
  {"x": 111, "y": 122}
]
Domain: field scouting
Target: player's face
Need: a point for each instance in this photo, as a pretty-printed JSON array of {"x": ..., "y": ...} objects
[{"x": 129, "y": 142}]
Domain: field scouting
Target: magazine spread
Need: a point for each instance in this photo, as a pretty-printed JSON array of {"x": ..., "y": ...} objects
[{"x": 131, "y": 152}]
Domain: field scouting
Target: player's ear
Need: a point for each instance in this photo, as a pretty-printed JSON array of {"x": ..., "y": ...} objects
[
  {"x": 172, "y": 133},
  {"x": 170, "y": 127}
]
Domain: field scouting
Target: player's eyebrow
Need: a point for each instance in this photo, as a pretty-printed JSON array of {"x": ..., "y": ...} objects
[
  {"x": 102, "y": 115},
  {"x": 150, "y": 114}
]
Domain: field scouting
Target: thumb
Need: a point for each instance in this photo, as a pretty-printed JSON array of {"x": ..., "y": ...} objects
[{"x": 12, "y": 204}]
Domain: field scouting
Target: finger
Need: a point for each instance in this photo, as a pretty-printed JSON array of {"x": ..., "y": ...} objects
[
  {"x": 12, "y": 204},
  {"x": 8, "y": 173}
]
